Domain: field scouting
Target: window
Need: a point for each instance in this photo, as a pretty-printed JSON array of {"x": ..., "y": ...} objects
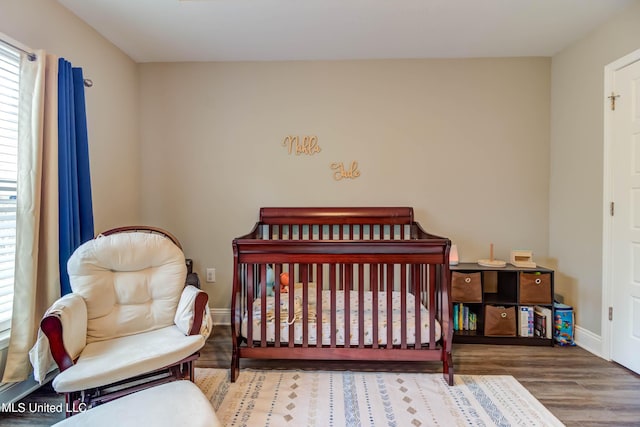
[{"x": 9, "y": 89}]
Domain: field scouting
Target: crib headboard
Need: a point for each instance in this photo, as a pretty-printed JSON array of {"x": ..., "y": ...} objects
[{"x": 339, "y": 223}]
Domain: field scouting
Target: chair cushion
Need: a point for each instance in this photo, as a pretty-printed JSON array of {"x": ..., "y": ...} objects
[
  {"x": 178, "y": 403},
  {"x": 131, "y": 283},
  {"x": 105, "y": 362}
]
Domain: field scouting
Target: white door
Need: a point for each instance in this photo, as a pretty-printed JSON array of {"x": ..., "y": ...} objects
[{"x": 625, "y": 336}]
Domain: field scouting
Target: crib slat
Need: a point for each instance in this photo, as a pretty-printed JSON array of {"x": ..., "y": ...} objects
[
  {"x": 277, "y": 323},
  {"x": 389, "y": 287},
  {"x": 291, "y": 311},
  {"x": 263, "y": 304},
  {"x": 418, "y": 300},
  {"x": 333, "y": 290},
  {"x": 360, "y": 273},
  {"x": 432, "y": 304},
  {"x": 373, "y": 273},
  {"x": 249, "y": 305},
  {"x": 346, "y": 287},
  {"x": 305, "y": 304},
  {"x": 319, "y": 285},
  {"x": 403, "y": 306}
]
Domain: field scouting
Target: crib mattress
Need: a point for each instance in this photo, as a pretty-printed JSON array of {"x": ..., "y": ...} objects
[{"x": 294, "y": 320}]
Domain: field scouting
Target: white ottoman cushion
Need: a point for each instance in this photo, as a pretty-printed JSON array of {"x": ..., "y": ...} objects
[{"x": 178, "y": 403}]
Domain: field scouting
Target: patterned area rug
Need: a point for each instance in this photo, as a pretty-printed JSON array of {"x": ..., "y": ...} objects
[{"x": 277, "y": 398}]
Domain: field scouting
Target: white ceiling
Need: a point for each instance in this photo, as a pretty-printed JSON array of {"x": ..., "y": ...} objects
[{"x": 242, "y": 30}]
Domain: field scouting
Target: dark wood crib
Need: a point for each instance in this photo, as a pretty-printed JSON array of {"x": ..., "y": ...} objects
[{"x": 365, "y": 284}]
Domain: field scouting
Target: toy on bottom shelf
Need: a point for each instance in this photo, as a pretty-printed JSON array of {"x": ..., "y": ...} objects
[{"x": 563, "y": 324}]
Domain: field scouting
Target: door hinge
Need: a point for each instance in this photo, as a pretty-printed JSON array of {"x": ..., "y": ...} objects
[
  {"x": 612, "y": 208},
  {"x": 613, "y": 97},
  {"x": 610, "y": 313}
]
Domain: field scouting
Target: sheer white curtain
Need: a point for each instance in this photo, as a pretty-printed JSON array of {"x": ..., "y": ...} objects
[{"x": 37, "y": 278}]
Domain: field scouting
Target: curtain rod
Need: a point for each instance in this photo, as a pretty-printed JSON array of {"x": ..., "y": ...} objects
[{"x": 32, "y": 56}]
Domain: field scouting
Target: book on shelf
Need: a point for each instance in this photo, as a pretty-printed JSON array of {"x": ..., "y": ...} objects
[
  {"x": 463, "y": 318},
  {"x": 542, "y": 321},
  {"x": 455, "y": 317},
  {"x": 526, "y": 321}
]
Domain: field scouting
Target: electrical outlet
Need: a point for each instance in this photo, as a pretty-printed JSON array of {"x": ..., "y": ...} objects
[{"x": 211, "y": 275}]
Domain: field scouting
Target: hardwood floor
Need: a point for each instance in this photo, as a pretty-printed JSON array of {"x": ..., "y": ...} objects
[{"x": 576, "y": 386}]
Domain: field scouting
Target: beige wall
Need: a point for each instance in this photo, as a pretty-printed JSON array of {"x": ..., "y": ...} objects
[
  {"x": 576, "y": 190},
  {"x": 112, "y": 103},
  {"x": 465, "y": 142}
]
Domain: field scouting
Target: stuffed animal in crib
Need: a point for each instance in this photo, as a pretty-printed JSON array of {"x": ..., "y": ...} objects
[
  {"x": 271, "y": 281},
  {"x": 284, "y": 282}
]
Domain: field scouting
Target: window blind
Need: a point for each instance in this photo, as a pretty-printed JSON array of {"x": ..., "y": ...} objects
[{"x": 9, "y": 97}]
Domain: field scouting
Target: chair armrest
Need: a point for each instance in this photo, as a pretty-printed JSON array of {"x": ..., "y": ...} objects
[
  {"x": 65, "y": 326},
  {"x": 201, "y": 310},
  {"x": 192, "y": 316},
  {"x": 51, "y": 325}
]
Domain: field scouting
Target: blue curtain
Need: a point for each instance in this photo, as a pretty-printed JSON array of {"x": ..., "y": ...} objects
[{"x": 74, "y": 181}]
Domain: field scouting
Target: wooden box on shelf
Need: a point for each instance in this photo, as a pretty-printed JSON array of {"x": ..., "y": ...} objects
[
  {"x": 499, "y": 321},
  {"x": 466, "y": 287},
  {"x": 535, "y": 288}
]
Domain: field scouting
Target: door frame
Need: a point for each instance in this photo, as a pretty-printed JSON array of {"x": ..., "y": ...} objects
[{"x": 607, "y": 219}]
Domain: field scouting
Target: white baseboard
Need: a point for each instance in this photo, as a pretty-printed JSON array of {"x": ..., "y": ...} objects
[
  {"x": 589, "y": 341},
  {"x": 221, "y": 316}
]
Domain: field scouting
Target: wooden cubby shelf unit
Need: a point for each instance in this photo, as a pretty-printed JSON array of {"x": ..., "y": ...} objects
[{"x": 501, "y": 287}]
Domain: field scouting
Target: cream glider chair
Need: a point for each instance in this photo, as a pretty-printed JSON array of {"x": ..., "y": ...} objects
[{"x": 130, "y": 322}]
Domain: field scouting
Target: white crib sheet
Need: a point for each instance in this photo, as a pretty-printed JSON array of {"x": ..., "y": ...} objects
[{"x": 295, "y": 320}]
